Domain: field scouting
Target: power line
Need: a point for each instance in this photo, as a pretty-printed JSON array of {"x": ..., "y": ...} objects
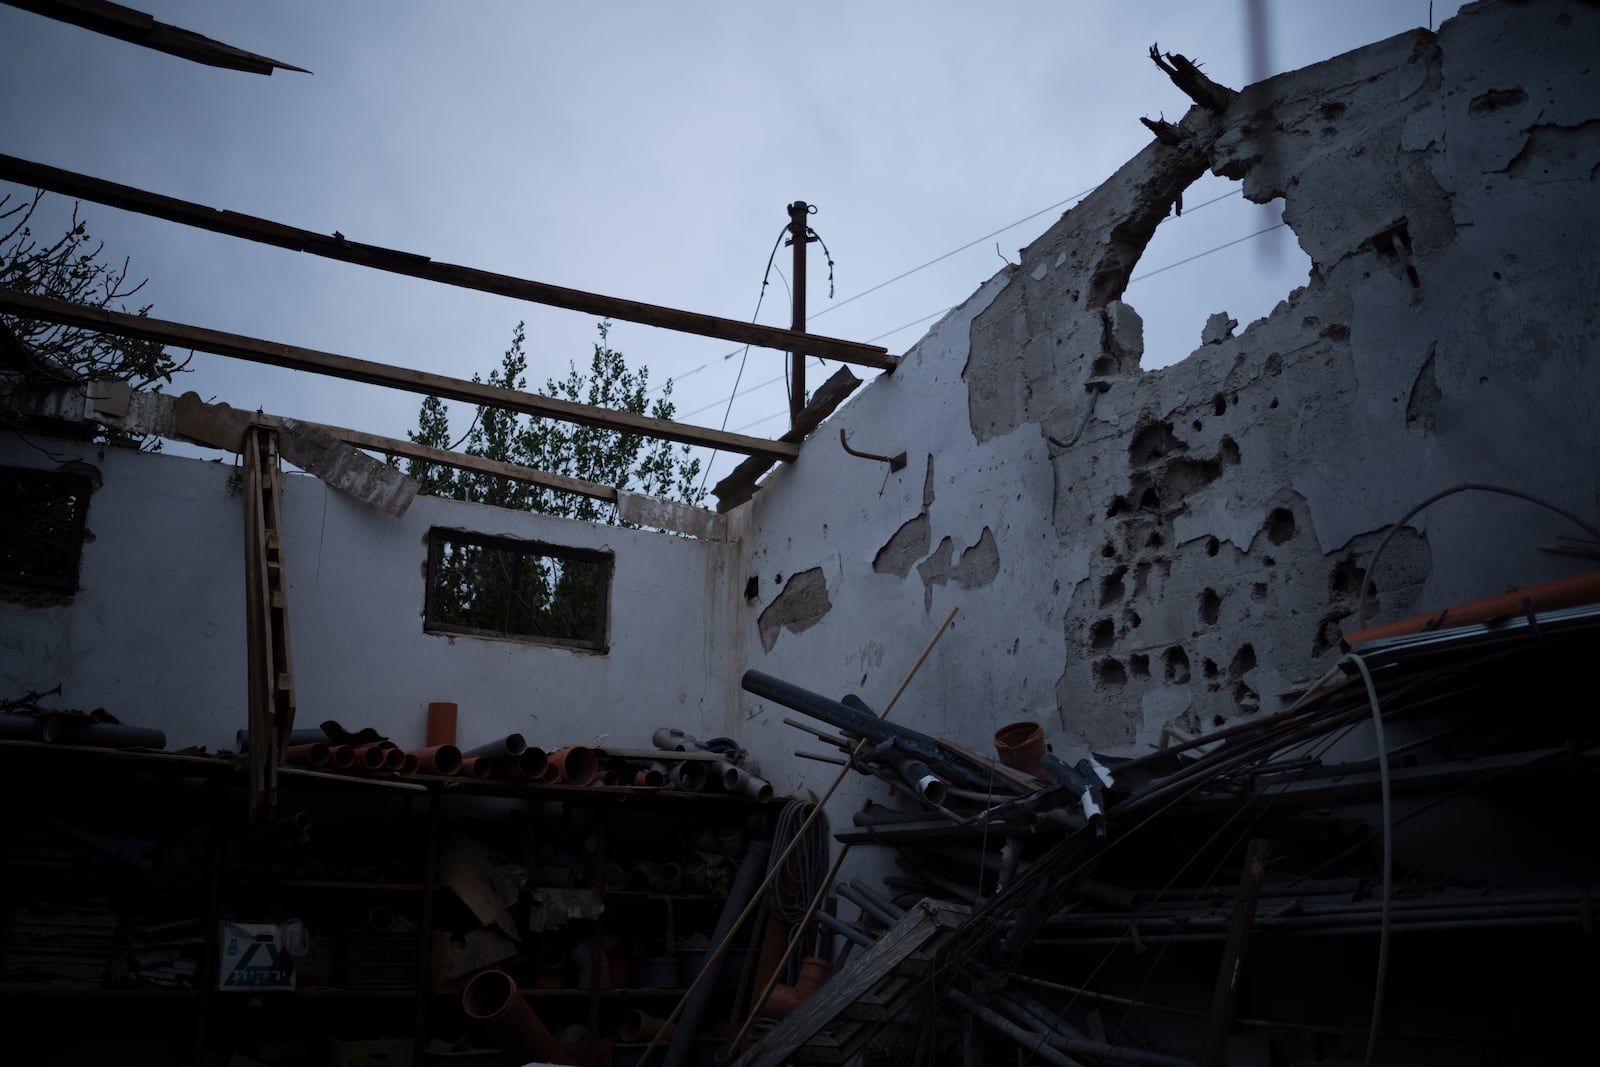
[
  {"x": 937, "y": 259},
  {"x": 1207, "y": 252},
  {"x": 1140, "y": 277}
]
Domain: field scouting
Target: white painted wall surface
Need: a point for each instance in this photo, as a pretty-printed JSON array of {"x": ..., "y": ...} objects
[
  {"x": 1357, "y": 397},
  {"x": 156, "y": 634}
]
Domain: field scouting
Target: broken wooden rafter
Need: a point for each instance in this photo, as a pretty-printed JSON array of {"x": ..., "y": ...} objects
[
  {"x": 306, "y": 445},
  {"x": 135, "y": 27},
  {"x": 373, "y": 373},
  {"x": 740, "y": 484},
  {"x": 249, "y": 227}
]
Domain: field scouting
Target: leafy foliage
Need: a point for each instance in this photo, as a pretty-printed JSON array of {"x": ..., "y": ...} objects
[
  {"x": 72, "y": 268},
  {"x": 608, "y": 457},
  {"x": 489, "y": 588}
]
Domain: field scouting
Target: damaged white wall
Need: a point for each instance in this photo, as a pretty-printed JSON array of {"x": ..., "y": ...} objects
[
  {"x": 1178, "y": 547},
  {"x": 156, "y": 633}
]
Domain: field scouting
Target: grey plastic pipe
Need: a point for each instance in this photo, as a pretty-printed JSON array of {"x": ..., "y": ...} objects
[{"x": 699, "y": 999}]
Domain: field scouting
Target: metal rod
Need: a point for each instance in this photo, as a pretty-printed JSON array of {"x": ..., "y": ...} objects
[
  {"x": 838, "y": 925},
  {"x": 837, "y": 761},
  {"x": 883, "y": 915}
]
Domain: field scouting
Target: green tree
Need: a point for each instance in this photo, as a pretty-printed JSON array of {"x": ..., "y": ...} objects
[
  {"x": 490, "y": 588},
  {"x": 72, "y": 267},
  {"x": 624, "y": 461}
]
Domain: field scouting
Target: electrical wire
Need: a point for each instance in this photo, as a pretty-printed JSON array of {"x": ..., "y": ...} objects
[
  {"x": 1140, "y": 277},
  {"x": 1482, "y": 487},
  {"x": 795, "y": 884},
  {"x": 765, "y": 277},
  {"x": 1388, "y": 857},
  {"x": 923, "y": 266}
]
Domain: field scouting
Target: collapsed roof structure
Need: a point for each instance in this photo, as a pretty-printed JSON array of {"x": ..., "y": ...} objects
[{"x": 1166, "y": 569}]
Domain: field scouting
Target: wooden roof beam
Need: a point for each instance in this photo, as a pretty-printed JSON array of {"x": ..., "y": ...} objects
[
  {"x": 135, "y": 27},
  {"x": 233, "y": 224},
  {"x": 360, "y": 370}
]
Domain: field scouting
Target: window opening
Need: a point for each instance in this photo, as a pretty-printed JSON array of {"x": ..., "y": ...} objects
[
  {"x": 487, "y": 586},
  {"x": 41, "y": 535}
]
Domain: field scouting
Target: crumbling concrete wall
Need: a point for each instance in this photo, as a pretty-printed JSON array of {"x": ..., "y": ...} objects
[
  {"x": 156, "y": 634},
  {"x": 1135, "y": 550}
]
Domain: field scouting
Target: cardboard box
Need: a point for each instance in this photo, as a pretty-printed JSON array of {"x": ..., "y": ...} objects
[
  {"x": 384, "y": 1053},
  {"x": 259, "y": 956}
]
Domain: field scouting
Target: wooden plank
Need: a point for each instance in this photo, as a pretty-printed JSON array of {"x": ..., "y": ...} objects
[
  {"x": 138, "y": 28},
  {"x": 740, "y": 484},
  {"x": 426, "y": 383},
  {"x": 393, "y": 446},
  {"x": 1220, "y": 1018},
  {"x": 860, "y": 975},
  {"x": 233, "y": 224}
]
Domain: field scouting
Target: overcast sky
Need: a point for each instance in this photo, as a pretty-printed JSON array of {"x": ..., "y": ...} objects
[{"x": 647, "y": 151}]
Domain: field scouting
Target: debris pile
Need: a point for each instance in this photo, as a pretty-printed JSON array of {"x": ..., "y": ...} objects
[{"x": 1341, "y": 875}]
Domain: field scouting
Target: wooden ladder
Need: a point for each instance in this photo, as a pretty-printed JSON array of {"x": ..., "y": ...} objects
[{"x": 270, "y": 671}]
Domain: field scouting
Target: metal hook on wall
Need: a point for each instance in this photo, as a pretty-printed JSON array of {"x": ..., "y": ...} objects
[{"x": 895, "y": 462}]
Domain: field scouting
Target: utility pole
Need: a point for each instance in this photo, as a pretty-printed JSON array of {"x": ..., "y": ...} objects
[{"x": 798, "y": 239}]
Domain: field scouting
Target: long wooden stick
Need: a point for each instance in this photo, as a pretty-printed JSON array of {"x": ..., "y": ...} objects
[
  {"x": 844, "y": 850},
  {"x": 776, "y": 865}
]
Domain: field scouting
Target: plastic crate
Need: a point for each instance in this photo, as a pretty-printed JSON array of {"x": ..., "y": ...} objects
[{"x": 368, "y": 960}]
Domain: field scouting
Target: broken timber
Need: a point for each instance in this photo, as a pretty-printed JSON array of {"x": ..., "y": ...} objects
[
  {"x": 249, "y": 227},
  {"x": 426, "y": 383},
  {"x": 740, "y": 485},
  {"x": 797, "y": 1038},
  {"x": 135, "y": 27},
  {"x": 307, "y": 446}
]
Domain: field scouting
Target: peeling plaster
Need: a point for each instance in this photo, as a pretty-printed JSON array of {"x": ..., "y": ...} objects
[
  {"x": 1179, "y": 546},
  {"x": 801, "y": 605}
]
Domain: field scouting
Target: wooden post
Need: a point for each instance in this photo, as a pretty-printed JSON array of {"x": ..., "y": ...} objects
[
  {"x": 798, "y": 212},
  {"x": 1244, "y": 915}
]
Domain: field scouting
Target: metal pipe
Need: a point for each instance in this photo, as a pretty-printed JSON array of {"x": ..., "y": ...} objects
[
  {"x": 672, "y": 739},
  {"x": 884, "y": 915},
  {"x": 1061, "y": 1042},
  {"x": 838, "y": 925},
  {"x": 690, "y": 776},
  {"x": 1032, "y": 1043},
  {"x": 493, "y": 1002},
  {"x": 692, "y": 1010},
  {"x": 60, "y": 729},
  {"x": 509, "y": 745},
  {"x": 821, "y": 735},
  {"x": 316, "y": 754},
  {"x": 883, "y": 815},
  {"x": 738, "y": 780},
  {"x": 878, "y": 899},
  {"x": 837, "y": 761},
  {"x": 19, "y": 727},
  {"x": 440, "y": 759},
  {"x": 531, "y": 763}
]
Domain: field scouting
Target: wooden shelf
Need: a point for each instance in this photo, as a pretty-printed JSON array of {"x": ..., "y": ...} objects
[
  {"x": 317, "y": 883},
  {"x": 650, "y": 991},
  {"x": 650, "y": 894},
  {"x": 348, "y": 993},
  {"x": 13, "y": 990}
]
